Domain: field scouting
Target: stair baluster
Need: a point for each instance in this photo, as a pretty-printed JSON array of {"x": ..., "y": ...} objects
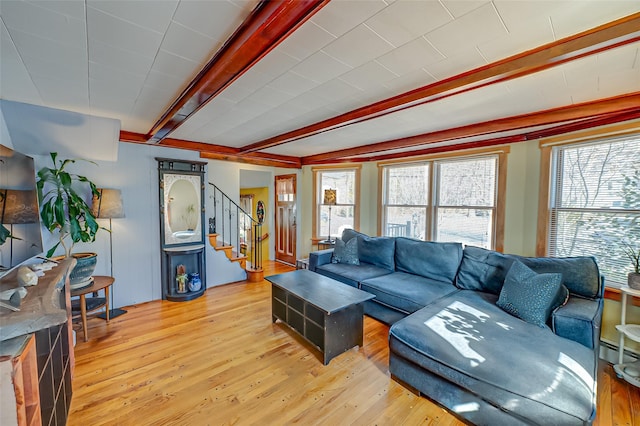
[{"x": 244, "y": 225}]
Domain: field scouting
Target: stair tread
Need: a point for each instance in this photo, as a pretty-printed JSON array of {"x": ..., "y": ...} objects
[{"x": 221, "y": 246}]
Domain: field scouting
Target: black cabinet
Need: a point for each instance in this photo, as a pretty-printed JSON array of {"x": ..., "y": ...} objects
[
  {"x": 192, "y": 257},
  {"x": 182, "y": 194},
  {"x": 54, "y": 374}
]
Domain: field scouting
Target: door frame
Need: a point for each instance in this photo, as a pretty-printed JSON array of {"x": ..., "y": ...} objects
[{"x": 293, "y": 228}]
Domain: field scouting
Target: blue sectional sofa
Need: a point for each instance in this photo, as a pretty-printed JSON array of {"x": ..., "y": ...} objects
[{"x": 456, "y": 332}]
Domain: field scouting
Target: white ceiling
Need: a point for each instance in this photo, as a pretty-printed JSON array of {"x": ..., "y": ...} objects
[{"x": 129, "y": 60}]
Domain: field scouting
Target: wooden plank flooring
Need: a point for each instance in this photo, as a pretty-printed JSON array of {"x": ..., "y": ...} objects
[{"x": 220, "y": 360}]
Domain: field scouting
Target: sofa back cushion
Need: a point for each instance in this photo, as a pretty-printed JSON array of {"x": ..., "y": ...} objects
[
  {"x": 580, "y": 275},
  {"x": 349, "y": 233},
  {"x": 378, "y": 251},
  {"x": 483, "y": 270},
  {"x": 438, "y": 261}
]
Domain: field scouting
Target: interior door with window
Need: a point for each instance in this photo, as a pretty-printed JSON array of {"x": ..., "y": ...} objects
[{"x": 286, "y": 219}]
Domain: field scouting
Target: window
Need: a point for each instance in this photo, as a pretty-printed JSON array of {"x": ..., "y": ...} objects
[
  {"x": 466, "y": 202},
  {"x": 329, "y": 219},
  {"x": 594, "y": 203},
  {"x": 446, "y": 199}
]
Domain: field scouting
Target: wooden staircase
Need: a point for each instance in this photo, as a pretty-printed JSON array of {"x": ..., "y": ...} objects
[
  {"x": 232, "y": 224},
  {"x": 254, "y": 274},
  {"x": 231, "y": 254}
]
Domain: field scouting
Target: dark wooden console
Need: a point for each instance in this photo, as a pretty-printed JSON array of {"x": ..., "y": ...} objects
[{"x": 44, "y": 316}]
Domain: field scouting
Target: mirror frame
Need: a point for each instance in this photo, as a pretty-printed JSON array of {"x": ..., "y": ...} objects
[{"x": 170, "y": 172}]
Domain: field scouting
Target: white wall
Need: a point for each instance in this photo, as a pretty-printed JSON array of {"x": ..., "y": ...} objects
[{"x": 136, "y": 237}]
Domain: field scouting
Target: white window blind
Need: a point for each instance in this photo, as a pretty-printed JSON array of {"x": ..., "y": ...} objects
[{"x": 595, "y": 203}]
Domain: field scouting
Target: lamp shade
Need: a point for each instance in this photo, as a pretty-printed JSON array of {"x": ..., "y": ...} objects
[
  {"x": 109, "y": 205},
  {"x": 329, "y": 197},
  {"x": 18, "y": 206}
]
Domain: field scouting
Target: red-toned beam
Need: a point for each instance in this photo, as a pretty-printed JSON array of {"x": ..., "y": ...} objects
[
  {"x": 553, "y": 131},
  {"x": 615, "y": 105},
  {"x": 126, "y": 136},
  {"x": 608, "y": 36},
  {"x": 219, "y": 152},
  {"x": 248, "y": 159},
  {"x": 269, "y": 24}
]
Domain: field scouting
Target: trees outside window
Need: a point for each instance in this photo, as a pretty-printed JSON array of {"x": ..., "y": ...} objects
[
  {"x": 450, "y": 199},
  {"x": 594, "y": 204}
]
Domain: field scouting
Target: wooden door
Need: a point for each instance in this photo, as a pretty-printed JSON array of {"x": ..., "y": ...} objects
[{"x": 286, "y": 219}]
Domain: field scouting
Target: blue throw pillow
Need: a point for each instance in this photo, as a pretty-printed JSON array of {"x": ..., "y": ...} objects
[
  {"x": 346, "y": 252},
  {"x": 531, "y": 296}
]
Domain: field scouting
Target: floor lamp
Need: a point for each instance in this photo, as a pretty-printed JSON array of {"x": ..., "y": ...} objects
[
  {"x": 329, "y": 200},
  {"x": 109, "y": 206}
]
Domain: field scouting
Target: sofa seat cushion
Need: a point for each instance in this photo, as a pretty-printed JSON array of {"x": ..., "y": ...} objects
[
  {"x": 351, "y": 274},
  {"x": 526, "y": 370},
  {"x": 406, "y": 292}
]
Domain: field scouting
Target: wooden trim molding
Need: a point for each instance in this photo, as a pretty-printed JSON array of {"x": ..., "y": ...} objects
[
  {"x": 501, "y": 186},
  {"x": 596, "y": 40},
  {"x": 542, "y": 228},
  {"x": 501, "y": 204},
  {"x": 613, "y": 293},
  {"x": 617, "y": 104},
  {"x": 627, "y": 128},
  {"x": 315, "y": 182},
  {"x": 546, "y": 147},
  {"x": 267, "y": 26},
  {"x": 461, "y": 153}
]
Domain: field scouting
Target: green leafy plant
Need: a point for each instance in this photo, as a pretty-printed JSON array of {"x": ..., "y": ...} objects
[
  {"x": 62, "y": 209},
  {"x": 634, "y": 255}
]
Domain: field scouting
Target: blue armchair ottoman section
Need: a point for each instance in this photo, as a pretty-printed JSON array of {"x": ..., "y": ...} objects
[{"x": 453, "y": 339}]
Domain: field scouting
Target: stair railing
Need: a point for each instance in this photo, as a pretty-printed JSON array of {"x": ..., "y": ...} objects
[{"x": 236, "y": 227}]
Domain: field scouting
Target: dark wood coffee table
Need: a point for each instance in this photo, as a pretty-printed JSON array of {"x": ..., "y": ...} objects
[{"x": 327, "y": 313}]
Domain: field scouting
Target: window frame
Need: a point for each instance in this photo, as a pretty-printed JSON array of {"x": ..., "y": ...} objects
[
  {"x": 434, "y": 160},
  {"x": 546, "y": 190},
  {"x": 317, "y": 196}
]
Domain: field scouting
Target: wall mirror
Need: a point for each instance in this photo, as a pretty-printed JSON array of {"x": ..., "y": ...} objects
[{"x": 182, "y": 207}]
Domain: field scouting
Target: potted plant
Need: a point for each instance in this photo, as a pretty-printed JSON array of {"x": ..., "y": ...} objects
[
  {"x": 64, "y": 211},
  {"x": 633, "y": 254}
]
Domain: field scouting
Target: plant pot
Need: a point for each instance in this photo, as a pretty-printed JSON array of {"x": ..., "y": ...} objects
[
  {"x": 633, "y": 279},
  {"x": 82, "y": 274}
]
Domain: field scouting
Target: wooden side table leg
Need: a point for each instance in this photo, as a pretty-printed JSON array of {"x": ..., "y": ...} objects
[
  {"x": 83, "y": 314},
  {"x": 106, "y": 295}
]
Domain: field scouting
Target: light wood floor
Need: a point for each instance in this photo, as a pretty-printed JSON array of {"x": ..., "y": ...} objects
[{"x": 220, "y": 360}]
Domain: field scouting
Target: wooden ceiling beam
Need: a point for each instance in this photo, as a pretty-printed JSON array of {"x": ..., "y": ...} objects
[
  {"x": 126, "y": 136},
  {"x": 267, "y": 26},
  {"x": 587, "y": 110},
  {"x": 251, "y": 160},
  {"x": 608, "y": 36},
  {"x": 218, "y": 152}
]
